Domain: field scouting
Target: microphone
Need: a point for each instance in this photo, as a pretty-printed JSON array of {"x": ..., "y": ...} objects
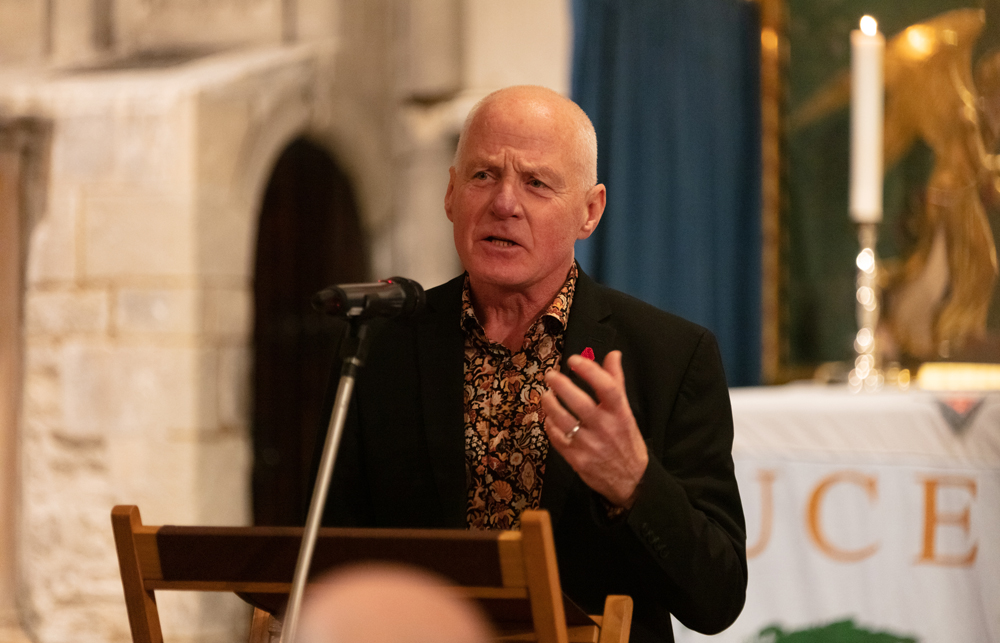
[{"x": 393, "y": 297}]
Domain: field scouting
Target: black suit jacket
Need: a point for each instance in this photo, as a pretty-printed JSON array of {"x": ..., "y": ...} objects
[{"x": 681, "y": 548}]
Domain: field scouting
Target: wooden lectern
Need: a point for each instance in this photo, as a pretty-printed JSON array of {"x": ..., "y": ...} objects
[{"x": 512, "y": 574}]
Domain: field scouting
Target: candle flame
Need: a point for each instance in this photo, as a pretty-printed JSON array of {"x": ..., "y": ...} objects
[{"x": 869, "y": 26}]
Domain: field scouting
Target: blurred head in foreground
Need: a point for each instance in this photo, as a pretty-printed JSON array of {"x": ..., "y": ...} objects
[{"x": 383, "y": 603}]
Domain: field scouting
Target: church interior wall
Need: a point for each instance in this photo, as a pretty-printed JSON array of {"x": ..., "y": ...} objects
[{"x": 166, "y": 120}]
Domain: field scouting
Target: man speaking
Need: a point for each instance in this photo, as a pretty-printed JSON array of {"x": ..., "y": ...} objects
[{"x": 525, "y": 384}]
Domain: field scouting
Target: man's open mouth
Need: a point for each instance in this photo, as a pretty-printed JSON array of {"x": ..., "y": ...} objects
[{"x": 501, "y": 242}]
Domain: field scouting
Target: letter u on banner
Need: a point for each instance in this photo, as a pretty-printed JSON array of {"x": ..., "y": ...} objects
[
  {"x": 766, "y": 478},
  {"x": 813, "y": 515}
]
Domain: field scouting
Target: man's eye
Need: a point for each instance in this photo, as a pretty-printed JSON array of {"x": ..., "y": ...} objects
[
  {"x": 480, "y": 175},
  {"x": 535, "y": 183}
]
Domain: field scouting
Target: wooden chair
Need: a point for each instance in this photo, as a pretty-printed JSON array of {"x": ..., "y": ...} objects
[{"x": 512, "y": 574}]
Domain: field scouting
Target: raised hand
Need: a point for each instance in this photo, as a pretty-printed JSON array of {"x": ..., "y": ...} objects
[{"x": 607, "y": 450}]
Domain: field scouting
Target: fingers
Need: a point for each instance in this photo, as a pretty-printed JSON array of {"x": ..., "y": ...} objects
[
  {"x": 558, "y": 422},
  {"x": 556, "y": 413},
  {"x": 608, "y": 381},
  {"x": 571, "y": 396},
  {"x": 613, "y": 365}
]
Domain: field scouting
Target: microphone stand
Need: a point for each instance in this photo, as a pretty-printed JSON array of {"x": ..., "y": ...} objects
[{"x": 357, "y": 338}]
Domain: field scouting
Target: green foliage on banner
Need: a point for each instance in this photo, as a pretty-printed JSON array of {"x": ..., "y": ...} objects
[{"x": 839, "y": 632}]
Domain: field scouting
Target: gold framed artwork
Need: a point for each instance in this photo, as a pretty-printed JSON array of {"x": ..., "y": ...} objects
[{"x": 938, "y": 238}]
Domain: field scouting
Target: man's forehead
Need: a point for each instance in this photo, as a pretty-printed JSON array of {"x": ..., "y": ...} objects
[
  {"x": 515, "y": 112},
  {"x": 530, "y": 135}
]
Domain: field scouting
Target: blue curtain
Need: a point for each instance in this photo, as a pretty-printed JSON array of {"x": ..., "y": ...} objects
[{"x": 672, "y": 88}]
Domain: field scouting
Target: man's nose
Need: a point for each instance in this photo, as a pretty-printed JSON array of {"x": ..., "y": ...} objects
[{"x": 505, "y": 202}]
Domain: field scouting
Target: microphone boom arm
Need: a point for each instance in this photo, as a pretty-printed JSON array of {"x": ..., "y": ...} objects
[{"x": 357, "y": 338}]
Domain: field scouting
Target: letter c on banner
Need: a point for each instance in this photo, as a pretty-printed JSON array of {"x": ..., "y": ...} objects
[{"x": 813, "y": 522}]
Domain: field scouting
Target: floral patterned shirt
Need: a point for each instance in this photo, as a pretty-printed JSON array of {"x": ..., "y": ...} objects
[{"x": 505, "y": 440}]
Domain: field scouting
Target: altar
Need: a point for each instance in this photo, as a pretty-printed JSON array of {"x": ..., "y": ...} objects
[{"x": 868, "y": 513}]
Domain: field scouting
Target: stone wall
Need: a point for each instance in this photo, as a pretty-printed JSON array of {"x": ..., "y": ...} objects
[
  {"x": 137, "y": 297},
  {"x": 138, "y": 318}
]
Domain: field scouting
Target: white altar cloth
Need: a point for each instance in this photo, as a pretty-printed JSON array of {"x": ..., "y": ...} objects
[{"x": 874, "y": 513}]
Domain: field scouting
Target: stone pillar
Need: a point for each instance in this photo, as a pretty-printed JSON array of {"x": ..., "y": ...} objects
[
  {"x": 10, "y": 374},
  {"x": 23, "y": 145}
]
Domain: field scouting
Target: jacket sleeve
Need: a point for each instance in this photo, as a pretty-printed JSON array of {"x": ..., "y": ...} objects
[{"x": 688, "y": 517}]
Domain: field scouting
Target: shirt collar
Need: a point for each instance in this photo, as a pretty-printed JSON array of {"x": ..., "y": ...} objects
[{"x": 555, "y": 317}]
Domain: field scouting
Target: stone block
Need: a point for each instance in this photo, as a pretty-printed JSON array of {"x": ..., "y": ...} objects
[
  {"x": 430, "y": 51},
  {"x": 82, "y": 150},
  {"x": 184, "y": 483},
  {"x": 229, "y": 313},
  {"x": 156, "y": 474},
  {"x": 135, "y": 233},
  {"x": 52, "y": 251},
  {"x": 224, "y": 464},
  {"x": 151, "y": 148},
  {"x": 225, "y": 121},
  {"x": 42, "y": 393},
  {"x": 317, "y": 19},
  {"x": 198, "y": 24},
  {"x": 137, "y": 389},
  {"x": 64, "y": 312},
  {"x": 227, "y": 234},
  {"x": 127, "y": 133},
  {"x": 71, "y": 31},
  {"x": 152, "y": 310},
  {"x": 234, "y": 389}
]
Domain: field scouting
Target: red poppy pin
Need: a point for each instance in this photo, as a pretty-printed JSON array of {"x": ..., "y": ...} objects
[{"x": 588, "y": 353}]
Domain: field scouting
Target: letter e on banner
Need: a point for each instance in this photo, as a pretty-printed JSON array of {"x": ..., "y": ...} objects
[
  {"x": 814, "y": 514},
  {"x": 933, "y": 518}
]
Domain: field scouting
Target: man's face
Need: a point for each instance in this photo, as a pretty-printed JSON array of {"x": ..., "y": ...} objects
[{"x": 517, "y": 198}]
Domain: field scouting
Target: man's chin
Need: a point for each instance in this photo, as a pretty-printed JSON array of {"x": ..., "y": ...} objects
[{"x": 506, "y": 279}]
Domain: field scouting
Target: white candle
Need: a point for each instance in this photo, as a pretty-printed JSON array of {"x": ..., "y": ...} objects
[{"x": 867, "y": 91}]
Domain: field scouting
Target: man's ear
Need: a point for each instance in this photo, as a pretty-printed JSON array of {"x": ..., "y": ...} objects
[
  {"x": 597, "y": 198},
  {"x": 450, "y": 193}
]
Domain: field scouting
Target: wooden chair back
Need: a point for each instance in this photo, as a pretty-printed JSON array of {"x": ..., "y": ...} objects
[{"x": 512, "y": 574}]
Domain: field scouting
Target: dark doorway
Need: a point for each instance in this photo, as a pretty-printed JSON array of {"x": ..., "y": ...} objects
[{"x": 309, "y": 238}]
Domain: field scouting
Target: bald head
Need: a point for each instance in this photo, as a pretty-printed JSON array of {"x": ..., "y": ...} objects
[
  {"x": 531, "y": 101},
  {"x": 382, "y": 603}
]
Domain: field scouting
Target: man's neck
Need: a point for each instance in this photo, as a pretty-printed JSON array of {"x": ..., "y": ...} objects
[{"x": 507, "y": 315}]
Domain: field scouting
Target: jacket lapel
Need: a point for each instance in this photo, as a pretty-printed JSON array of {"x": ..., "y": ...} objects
[
  {"x": 440, "y": 363},
  {"x": 587, "y": 328}
]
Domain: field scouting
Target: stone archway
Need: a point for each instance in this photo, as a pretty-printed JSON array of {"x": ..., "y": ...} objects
[{"x": 309, "y": 237}]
